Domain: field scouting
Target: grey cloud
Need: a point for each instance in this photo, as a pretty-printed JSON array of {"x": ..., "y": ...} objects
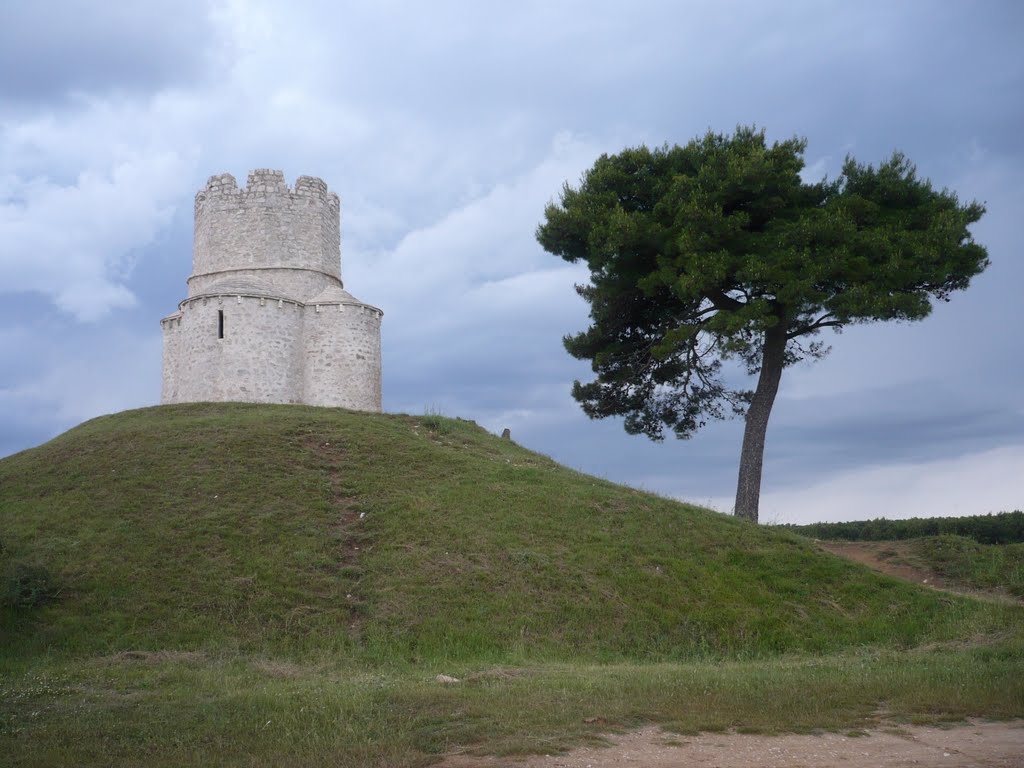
[
  {"x": 24, "y": 429},
  {"x": 50, "y": 49},
  {"x": 922, "y": 421},
  {"x": 877, "y": 72}
]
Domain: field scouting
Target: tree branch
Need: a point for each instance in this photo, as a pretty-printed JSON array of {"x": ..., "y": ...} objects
[
  {"x": 821, "y": 322},
  {"x": 721, "y": 300}
]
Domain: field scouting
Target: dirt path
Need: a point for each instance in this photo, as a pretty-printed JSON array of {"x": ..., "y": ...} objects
[
  {"x": 888, "y": 557},
  {"x": 975, "y": 745},
  {"x": 897, "y": 559}
]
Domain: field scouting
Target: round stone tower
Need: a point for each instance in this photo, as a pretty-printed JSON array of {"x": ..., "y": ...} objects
[{"x": 267, "y": 318}]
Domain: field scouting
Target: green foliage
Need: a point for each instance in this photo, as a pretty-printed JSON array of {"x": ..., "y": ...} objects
[
  {"x": 1001, "y": 528},
  {"x": 695, "y": 252},
  {"x": 437, "y": 422}
]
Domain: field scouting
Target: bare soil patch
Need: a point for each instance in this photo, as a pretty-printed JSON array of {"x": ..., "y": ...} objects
[
  {"x": 892, "y": 558},
  {"x": 897, "y": 559},
  {"x": 974, "y": 745}
]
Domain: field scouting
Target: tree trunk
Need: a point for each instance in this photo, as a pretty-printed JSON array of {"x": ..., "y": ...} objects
[{"x": 748, "y": 488}]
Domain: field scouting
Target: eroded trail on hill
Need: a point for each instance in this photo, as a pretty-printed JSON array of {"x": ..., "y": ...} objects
[
  {"x": 975, "y": 745},
  {"x": 894, "y": 558}
]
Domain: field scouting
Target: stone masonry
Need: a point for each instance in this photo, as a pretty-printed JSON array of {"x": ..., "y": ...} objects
[{"x": 267, "y": 319}]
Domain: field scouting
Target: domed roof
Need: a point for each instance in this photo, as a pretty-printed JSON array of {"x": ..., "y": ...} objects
[
  {"x": 334, "y": 294},
  {"x": 244, "y": 286}
]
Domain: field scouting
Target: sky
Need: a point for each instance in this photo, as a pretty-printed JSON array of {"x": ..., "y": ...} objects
[{"x": 445, "y": 128}]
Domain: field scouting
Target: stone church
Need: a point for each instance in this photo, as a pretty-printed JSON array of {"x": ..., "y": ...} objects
[{"x": 266, "y": 318}]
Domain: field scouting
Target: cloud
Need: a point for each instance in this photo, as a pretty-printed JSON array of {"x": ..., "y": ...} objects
[
  {"x": 977, "y": 483},
  {"x": 483, "y": 240},
  {"x": 474, "y": 309},
  {"x": 64, "y": 377},
  {"x": 51, "y": 50},
  {"x": 74, "y": 241}
]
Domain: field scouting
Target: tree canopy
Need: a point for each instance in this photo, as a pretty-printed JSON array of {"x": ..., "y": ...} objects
[{"x": 719, "y": 249}]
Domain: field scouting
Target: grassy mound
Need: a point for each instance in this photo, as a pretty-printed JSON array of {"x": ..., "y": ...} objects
[{"x": 286, "y": 530}]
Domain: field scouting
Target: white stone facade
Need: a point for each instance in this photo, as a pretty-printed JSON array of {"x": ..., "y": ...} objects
[{"x": 266, "y": 319}]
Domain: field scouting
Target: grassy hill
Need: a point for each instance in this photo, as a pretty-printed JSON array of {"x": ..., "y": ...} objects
[
  {"x": 254, "y": 585},
  {"x": 298, "y": 530}
]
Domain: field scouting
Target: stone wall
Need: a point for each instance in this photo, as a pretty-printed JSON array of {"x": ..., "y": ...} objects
[
  {"x": 343, "y": 360},
  {"x": 258, "y": 359}
]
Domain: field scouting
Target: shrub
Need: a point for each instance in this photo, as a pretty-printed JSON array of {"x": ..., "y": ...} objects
[{"x": 27, "y": 585}]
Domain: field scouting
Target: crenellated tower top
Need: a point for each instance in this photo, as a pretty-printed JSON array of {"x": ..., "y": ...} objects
[{"x": 268, "y": 232}]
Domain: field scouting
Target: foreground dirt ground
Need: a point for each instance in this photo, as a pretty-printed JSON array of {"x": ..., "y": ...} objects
[{"x": 974, "y": 745}]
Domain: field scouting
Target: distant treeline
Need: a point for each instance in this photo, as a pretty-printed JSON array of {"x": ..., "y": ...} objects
[{"x": 1001, "y": 528}]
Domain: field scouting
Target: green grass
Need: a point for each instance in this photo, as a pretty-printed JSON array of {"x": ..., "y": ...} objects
[
  {"x": 280, "y": 584},
  {"x": 301, "y": 530},
  {"x": 980, "y": 566},
  {"x": 181, "y": 710}
]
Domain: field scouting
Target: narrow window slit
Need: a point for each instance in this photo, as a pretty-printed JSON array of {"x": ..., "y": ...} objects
[{"x": 220, "y": 323}]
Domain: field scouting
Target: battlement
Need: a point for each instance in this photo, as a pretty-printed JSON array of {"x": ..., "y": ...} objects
[
  {"x": 263, "y": 183},
  {"x": 267, "y": 225}
]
